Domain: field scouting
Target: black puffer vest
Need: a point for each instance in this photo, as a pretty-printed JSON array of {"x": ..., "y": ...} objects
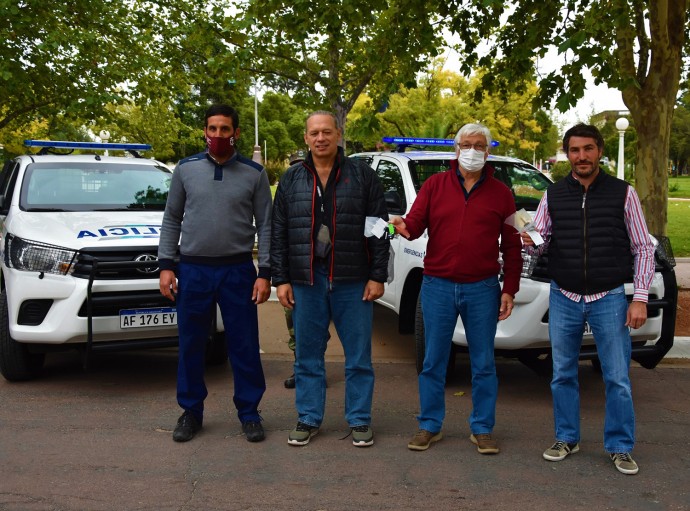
[{"x": 589, "y": 251}]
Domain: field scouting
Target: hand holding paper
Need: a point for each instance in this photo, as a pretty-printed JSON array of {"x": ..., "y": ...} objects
[{"x": 522, "y": 221}]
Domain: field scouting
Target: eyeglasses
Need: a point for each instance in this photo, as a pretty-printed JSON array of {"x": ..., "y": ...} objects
[{"x": 477, "y": 147}]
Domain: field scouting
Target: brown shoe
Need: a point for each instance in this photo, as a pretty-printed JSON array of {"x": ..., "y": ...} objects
[
  {"x": 485, "y": 443},
  {"x": 423, "y": 439}
]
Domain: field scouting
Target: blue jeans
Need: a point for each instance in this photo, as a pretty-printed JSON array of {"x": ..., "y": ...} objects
[
  {"x": 315, "y": 307},
  {"x": 477, "y": 304},
  {"x": 200, "y": 288},
  {"x": 607, "y": 317}
]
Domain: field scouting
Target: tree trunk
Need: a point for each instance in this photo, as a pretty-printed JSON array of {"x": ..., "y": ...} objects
[
  {"x": 341, "y": 112},
  {"x": 653, "y": 124},
  {"x": 651, "y": 95}
]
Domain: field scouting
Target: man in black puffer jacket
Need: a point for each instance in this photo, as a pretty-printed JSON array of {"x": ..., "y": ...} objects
[{"x": 324, "y": 268}]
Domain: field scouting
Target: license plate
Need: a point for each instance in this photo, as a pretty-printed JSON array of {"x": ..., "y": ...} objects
[{"x": 145, "y": 318}]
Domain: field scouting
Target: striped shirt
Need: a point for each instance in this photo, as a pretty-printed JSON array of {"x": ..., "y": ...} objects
[{"x": 641, "y": 246}]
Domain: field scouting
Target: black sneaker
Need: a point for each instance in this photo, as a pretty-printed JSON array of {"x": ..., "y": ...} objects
[
  {"x": 254, "y": 431},
  {"x": 187, "y": 427},
  {"x": 290, "y": 382}
]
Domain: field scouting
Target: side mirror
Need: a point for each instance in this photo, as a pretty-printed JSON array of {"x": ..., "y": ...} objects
[{"x": 394, "y": 202}]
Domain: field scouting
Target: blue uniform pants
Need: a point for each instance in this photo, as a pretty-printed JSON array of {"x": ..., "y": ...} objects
[{"x": 200, "y": 287}]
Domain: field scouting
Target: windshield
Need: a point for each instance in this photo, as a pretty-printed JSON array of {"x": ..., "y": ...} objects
[
  {"x": 89, "y": 186},
  {"x": 527, "y": 184}
]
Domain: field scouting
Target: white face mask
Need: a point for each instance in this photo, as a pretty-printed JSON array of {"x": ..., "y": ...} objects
[{"x": 471, "y": 160}]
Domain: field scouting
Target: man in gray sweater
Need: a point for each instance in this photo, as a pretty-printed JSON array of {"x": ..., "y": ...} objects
[{"x": 224, "y": 200}]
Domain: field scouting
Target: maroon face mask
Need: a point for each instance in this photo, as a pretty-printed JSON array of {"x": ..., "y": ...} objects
[{"x": 220, "y": 146}]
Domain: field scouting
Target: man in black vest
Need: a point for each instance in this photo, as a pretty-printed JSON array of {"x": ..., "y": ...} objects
[{"x": 597, "y": 240}]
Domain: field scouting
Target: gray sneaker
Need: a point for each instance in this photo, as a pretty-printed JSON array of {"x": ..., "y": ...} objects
[
  {"x": 560, "y": 450},
  {"x": 302, "y": 434},
  {"x": 624, "y": 463},
  {"x": 362, "y": 436}
]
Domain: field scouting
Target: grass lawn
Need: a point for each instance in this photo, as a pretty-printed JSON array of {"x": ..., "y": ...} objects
[
  {"x": 679, "y": 187},
  {"x": 678, "y": 228}
]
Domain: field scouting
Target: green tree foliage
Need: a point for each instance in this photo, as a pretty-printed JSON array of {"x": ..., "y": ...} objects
[
  {"x": 680, "y": 136},
  {"x": 281, "y": 124},
  {"x": 328, "y": 52},
  {"x": 153, "y": 123},
  {"x": 635, "y": 46},
  {"x": 559, "y": 170},
  {"x": 443, "y": 102},
  {"x": 70, "y": 58}
]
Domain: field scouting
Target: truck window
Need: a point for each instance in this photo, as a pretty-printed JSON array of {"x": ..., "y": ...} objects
[{"x": 393, "y": 188}]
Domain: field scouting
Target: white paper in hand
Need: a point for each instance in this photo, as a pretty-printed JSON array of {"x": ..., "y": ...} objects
[{"x": 375, "y": 227}]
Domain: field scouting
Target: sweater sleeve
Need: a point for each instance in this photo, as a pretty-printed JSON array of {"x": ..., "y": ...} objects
[
  {"x": 262, "y": 216},
  {"x": 172, "y": 222},
  {"x": 378, "y": 247},
  {"x": 511, "y": 250},
  {"x": 417, "y": 220}
]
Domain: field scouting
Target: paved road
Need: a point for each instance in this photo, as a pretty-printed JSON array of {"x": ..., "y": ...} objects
[{"x": 101, "y": 441}]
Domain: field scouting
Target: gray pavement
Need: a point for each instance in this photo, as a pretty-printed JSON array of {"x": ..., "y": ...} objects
[
  {"x": 683, "y": 272},
  {"x": 102, "y": 441}
]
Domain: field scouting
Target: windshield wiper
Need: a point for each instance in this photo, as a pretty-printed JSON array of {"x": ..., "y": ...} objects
[{"x": 53, "y": 210}]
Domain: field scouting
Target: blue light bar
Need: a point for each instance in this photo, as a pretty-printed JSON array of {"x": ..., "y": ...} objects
[
  {"x": 426, "y": 141},
  {"x": 418, "y": 141},
  {"x": 94, "y": 146}
]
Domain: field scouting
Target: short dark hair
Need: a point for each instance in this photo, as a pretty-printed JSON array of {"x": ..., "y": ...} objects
[
  {"x": 583, "y": 130},
  {"x": 224, "y": 110}
]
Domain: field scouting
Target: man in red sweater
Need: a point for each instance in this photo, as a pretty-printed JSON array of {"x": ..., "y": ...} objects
[{"x": 464, "y": 210}]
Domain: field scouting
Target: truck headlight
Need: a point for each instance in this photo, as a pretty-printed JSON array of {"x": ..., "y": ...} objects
[{"x": 25, "y": 255}]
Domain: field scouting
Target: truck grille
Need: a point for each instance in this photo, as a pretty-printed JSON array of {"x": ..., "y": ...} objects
[{"x": 117, "y": 264}]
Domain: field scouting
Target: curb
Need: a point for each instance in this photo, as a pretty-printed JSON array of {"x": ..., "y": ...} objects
[{"x": 680, "y": 349}]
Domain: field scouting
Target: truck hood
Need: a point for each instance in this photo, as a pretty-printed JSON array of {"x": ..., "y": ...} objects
[{"x": 76, "y": 230}]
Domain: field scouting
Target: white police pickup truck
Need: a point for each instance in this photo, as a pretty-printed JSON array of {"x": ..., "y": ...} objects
[
  {"x": 524, "y": 334},
  {"x": 78, "y": 254}
]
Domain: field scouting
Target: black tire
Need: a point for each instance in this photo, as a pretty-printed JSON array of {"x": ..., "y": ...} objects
[
  {"x": 420, "y": 343},
  {"x": 216, "y": 349},
  {"x": 16, "y": 362}
]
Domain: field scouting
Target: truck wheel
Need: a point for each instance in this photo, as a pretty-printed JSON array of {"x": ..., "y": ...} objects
[
  {"x": 420, "y": 343},
  {"x": 216, "y": 349},
  {"x": 16, "y": 362}
]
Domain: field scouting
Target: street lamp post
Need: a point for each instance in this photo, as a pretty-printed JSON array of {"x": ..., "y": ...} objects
[
  {"x": 257, "y": 148},
  {"x": 104, "y": 135},
  {"x": 621, "y": 125}
]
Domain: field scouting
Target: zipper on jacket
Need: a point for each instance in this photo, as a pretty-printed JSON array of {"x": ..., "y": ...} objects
[
  {"x": 584, "y": 233},
  {"x": 311, "y": 234}
]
